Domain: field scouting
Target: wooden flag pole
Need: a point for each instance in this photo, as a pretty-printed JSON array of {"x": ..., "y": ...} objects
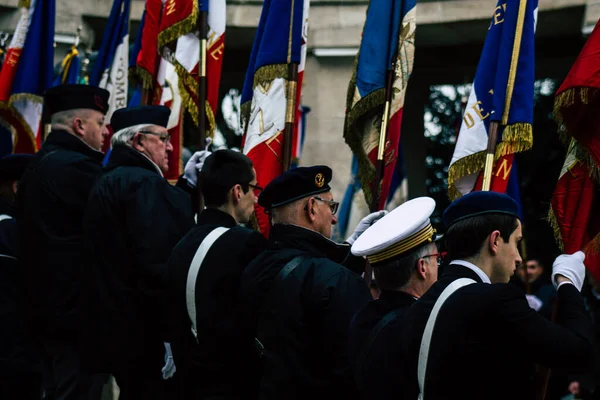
[
  {"x": 203, "y": 22},
  {"x": 290, "y": 115},
  {"x": 385, "y": 119},
  {"x": 489, "y": 157}
]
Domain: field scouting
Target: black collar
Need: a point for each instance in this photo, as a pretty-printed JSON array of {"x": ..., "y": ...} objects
[
  {"x": 396, "y": 299},
  {"x": 65, "y": 140},
  {"x": 7, "y": 208},
  {"x": 125, "y": 156},
  {"x": 456, "y": 271},
  {"x": 317, "y": 245},
  {"x": 213, "y": 216}
]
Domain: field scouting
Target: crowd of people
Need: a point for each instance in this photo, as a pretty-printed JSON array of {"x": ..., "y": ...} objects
[{"x": 112, "y": 271}]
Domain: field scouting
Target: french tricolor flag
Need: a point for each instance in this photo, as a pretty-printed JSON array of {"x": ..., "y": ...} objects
[{"x": 502, "y": 91}]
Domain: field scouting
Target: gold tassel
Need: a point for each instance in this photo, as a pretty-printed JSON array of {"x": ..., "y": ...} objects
[
  {"x": 269, "y": 73},
  {"x": 556, "y": 228}
]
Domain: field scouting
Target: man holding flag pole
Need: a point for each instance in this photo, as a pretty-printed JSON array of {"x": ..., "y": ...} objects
[{"x": 472, "y": 323}]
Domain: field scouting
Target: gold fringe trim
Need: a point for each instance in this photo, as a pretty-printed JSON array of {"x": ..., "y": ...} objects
[
  {"x": 245, "y": 110},
  {"x": 191, "y": 106},
  {"x": 556, "y": 228},
  {"x": 24, "y": 4},
  {"x": 183, "y": 27},
  {"x": 186, "y": 77},
  {"x": 516, "y": 138},
  {"x": 141, "y": 75},
  {"x": 576, "y": 96},
  {"x": 269, "y": 73}
]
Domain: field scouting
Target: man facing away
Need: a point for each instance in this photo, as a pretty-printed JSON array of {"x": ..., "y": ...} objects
[
  {"x": 300, "y": 294},
  {"x": 473, "y": 335},
  {"x": 214, "y": 353},
  {"x": 51, "y": 200},
  {"x": 401, "y": 249}
]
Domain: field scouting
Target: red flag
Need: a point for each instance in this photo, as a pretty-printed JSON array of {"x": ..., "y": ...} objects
[
  {"x": 575, "y": 214},
  {"x": 148, "y": 59}
]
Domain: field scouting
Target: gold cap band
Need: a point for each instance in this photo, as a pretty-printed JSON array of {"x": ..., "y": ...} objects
[{"x": 422, "y": 236}]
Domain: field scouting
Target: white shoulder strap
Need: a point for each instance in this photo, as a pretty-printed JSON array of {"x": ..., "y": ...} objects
[
  {"x": 190, "y": 288},
  {"x": 426, "y": 341},
  {"x": 5, "y": 216}
]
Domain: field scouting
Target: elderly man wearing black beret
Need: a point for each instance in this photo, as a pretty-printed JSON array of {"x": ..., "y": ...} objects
[
  {"x": 133, "y": 220},
  {"x": 301, "y": 296},
  {"x": 473, "y": 335},
  {"x": 51, "y": 200}
]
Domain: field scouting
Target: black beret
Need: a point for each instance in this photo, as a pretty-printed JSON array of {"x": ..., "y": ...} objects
[
  {"x": 69, "y": 97},
  {"x": 295, "y": 184},
  {"x": 131, "y": 116},
  {"x": 479, "y": 203},
  {"x": 13, "y": 166}
]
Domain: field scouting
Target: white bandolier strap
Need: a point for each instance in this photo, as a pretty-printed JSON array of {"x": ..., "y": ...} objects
[
  {"x": 4, "y": 216},
  {"x": 190, "y": 288},
  {"x": 426, "y": 341}
]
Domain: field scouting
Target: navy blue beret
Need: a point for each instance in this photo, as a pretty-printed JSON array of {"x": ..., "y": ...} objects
[
  {"x": 69, "y": 97},
  {"x": 479, "y": 203},
  {"x": 131, "y": 116},
  {"x": 295, "y": 184},
  {"x": 13, "y": 166}
]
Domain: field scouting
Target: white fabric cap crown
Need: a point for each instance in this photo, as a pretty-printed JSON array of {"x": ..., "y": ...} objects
[{"x": 403, "y": 229}]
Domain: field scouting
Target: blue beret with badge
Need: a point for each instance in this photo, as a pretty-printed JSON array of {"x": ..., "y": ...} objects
[
  {"x": 131, "y": 116},
  {"x": 405, "y": 228},
  {"x": 295, "y": 184},
  {"x": 13, "y": 166},
  {"x": 70, "y": 97},
  {"x": 479, "y": 203}
]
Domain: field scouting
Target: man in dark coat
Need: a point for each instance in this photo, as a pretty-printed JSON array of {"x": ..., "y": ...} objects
[
  {"x": 51, "y": 200},
  {"x": 133, "y": 220},
  {"x": 20, "y": 357},
  {"x": 401, "y": 250},
  {"x": 302, "y": 297},
  {"x": 485, "y": 339},
  {"x": 222, "y": 362}
]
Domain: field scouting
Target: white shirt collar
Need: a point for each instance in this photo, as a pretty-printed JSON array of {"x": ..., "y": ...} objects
[{"x": 473, "y": 268}]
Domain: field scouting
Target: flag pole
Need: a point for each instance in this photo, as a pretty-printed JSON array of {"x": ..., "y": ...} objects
[
  {"x": 385, "y": 119},
  {"x": 292, "y": 90},
  {"x": 203, "y": 25},
  {"x": 512, "y": 74}
]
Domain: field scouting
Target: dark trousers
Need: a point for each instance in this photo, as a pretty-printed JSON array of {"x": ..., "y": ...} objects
[{"x": 66, "y": 378}]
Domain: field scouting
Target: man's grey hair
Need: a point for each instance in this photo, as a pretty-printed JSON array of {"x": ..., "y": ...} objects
[
  {"x": 66, "y": 117},
  {"x": 125, "y": 136},
  {"x": 396, "y": 273},
  {"x": 287, "y": 214}
]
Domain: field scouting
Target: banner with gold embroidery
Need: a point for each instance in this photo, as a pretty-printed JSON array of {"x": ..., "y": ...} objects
[
  {"x": 388, "y": 41},
  {"x": 502, "y": 91},
  {"x": 280, "y": 40}
]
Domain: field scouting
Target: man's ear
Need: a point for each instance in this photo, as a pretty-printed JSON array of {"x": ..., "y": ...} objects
[
  {"x": 236, "y": 193},
  {"x": 494, "y": 242},
  {"x": 420, "y": 267},
  {"x": 137, "y": 142},
  {"x": 311, "y": 213},
  {"x": 78, "y": 126}
]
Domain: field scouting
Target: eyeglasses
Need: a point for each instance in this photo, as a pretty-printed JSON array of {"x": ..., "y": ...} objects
[
  {"x": 256, "y": 187},
  {"x": 438, "y": 257},
  {"x": 164, "y": 137},
  {"x": 332, "y": 204}
]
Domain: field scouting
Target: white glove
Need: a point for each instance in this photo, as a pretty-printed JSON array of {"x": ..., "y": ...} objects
[
  {"x": 364, "y": 224},
  {"x": 194, "y": 165},
  {"x": 534, "y": 302},
  {"x": 169, "y": 369},
  {"x": 571, "y": 267}
]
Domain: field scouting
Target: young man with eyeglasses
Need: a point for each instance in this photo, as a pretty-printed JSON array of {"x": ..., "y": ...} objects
[
  {"x": 133, "y": 220},
  {"x": 404, "y": 257},
  {"x": 300, "y": 296},
  {"x": 473, "y": 335},
  {"x": 214, "y": 353}
]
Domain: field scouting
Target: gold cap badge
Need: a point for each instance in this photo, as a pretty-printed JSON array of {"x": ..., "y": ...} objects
[{"x": 319, "y": 180}]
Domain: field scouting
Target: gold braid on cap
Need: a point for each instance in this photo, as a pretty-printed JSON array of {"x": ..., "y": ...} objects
[{"x": 422, "y": 236}]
